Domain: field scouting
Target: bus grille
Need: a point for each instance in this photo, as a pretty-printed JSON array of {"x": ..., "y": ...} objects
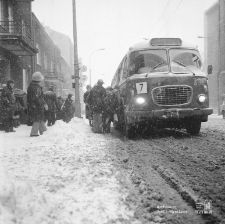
[{"x": 172, "y": 95}]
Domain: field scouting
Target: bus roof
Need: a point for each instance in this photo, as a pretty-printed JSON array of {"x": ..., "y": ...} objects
[{"x": 147, "y": 45}]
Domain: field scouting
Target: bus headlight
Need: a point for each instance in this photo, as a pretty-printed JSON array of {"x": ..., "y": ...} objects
[
  {"x": 140, "y": 100},
  {"x": 201, "y": 98}
]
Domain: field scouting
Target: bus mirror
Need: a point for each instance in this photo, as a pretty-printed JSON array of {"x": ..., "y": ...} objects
[{"x": 209, "y": 70}]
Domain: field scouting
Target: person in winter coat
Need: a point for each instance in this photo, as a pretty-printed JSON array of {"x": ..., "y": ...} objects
[
  {"x": 87, "y": 106},
  {"x": 36, "y": 104},
  {"x": 59, "y": 114},
  {"x": 51, "y": 100},
  {"x": 110, "y": 108},
  {"x": 8, "y": 106},
  {"x": 68, "y": 109},
  {"x": 19, "y": 107},
  {"x": 96, "y": 97}
]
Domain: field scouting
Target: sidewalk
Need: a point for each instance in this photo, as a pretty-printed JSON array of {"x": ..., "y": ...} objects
[{"x": 65, "y": 176}]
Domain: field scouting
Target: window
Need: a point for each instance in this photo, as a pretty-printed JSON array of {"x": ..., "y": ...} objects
[
  {"x": 45, "y": 61},
  {"x": 52, "y": 66},
  {"x": 184, "y": 60},
  {"x": 148, "y": 61},
  {"x": 10, "y": 11},
  {"x": 25, "y": 80},
  {"x": 38, "y": 54},
  {"x": 1, "y": 11}
]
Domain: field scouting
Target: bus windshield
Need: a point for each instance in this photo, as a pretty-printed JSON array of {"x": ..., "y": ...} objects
[
  {"x": 184, "y": 60},
  {"x": 147, "y": 61}
]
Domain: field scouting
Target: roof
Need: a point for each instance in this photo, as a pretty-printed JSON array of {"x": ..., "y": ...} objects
[{"x": 146, "y": 45}]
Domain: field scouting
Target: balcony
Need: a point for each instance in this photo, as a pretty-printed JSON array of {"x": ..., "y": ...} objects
[
  {"x": 16, "y": 38},
  {"x": 54, "y": 77}
]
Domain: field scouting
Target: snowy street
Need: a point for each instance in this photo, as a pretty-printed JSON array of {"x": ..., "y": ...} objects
[
  {"x": 71, "y": 175},
  {"x": 71, "y": 169}
]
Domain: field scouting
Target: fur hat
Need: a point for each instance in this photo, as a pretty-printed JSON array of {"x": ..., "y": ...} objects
[{"x": 37, "y": 76}]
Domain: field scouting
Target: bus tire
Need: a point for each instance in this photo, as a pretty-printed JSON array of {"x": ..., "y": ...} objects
[
  {"x": 193, "y": 128},
  {"x": 223, "y": 113},
  {"x": 129, "y": 131}
]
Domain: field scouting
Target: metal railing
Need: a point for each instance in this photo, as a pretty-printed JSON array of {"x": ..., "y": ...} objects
[{"x": 15, "y": 28}]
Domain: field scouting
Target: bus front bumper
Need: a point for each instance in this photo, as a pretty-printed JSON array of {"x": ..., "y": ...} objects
[{"x": 165, "y": 114}]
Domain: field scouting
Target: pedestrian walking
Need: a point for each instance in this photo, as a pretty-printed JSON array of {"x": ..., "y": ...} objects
[
  {"x": 96, "y": 101},
  {"x": 36, "y": 105},
  {"x": 68, "y": 109},
  {"x": 8, "y": 106},
  {"x": 110, "y": 108},
  {"x": 51, "y": 100}
]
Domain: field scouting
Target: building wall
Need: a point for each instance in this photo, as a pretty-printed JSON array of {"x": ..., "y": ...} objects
[
  {"x": 49, "y": 60},
  {"x": 211, "y": 53},
  {"x": 222, "y": 49},
  {"x": 12, "y": 66},
  {"x": 66, "y": 47}
]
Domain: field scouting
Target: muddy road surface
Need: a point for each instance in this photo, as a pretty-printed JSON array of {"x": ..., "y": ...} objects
[{"x": 172, "y": 170}]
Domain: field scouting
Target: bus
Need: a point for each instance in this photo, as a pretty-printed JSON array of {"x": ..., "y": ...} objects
[{"x": 161, "y": 83}]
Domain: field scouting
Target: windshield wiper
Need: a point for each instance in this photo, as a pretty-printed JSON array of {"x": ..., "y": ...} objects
[
  {"x": 158, "y": 64},
  {"x": 183, "y": 65}
]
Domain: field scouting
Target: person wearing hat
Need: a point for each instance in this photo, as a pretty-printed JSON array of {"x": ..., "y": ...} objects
[
  {"x": 8, "y": 106},
  {"x": 68, "y": 109},
  {"x": 96, "y": 102},
  {"x": 36, "y": 105},
  {"x": 110, "y": 108},
  {"x": 96, "y": 97},
  {"x": 51, "y": 100}
]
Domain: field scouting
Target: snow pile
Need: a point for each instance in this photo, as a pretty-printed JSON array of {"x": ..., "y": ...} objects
[
  {"x": 68, "y": 176},
  {"x": 20, "y": 202}
]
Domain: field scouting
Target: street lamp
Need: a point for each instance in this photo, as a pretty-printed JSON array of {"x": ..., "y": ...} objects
[
  {"x": 101, "y": 49},
  {"x": 206, "y": 38}
]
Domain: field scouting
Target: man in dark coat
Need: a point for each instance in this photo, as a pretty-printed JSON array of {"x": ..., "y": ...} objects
[
  {"x": 68, "y": 109},
  {"x": 36, "y": 104},
  {"x": 110, "y": 108},
  {"x": 87, "y": 106},
  {"x": 8, "y": 106},
  {"x": 51, "y": 100},
  {"x": 96, "y": 97}
]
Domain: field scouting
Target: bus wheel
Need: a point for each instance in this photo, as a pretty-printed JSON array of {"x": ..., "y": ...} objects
[
  {"x": 223, "y": 113},
  {"x": 193, "y": 128},
  {"x": 129, "y": 131}
]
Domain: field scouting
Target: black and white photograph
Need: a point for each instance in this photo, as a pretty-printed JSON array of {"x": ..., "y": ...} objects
[{"x": 112, "y": 111}]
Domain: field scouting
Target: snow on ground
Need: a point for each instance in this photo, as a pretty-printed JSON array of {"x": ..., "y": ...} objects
[{"x": 63, "y": 176}]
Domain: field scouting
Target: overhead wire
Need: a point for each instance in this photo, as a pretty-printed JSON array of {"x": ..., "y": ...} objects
[
  {"x": 170, "y": 17},
  {"x": 159, "y": 17}
]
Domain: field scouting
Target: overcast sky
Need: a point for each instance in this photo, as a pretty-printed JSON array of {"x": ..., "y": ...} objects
[{"x": 117, "y": 24}]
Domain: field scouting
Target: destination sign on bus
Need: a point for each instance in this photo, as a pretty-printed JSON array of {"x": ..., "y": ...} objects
[{"x": 166, "y": 42}]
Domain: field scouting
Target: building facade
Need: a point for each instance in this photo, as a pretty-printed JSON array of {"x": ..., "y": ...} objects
[
  {"x": 25, "y": 47},
  {"x": 49, "y": 60},
  {"x": 215, "y": 52},
  {"x": 66, "y": 47},
  {"x": 17, "y": 49}
]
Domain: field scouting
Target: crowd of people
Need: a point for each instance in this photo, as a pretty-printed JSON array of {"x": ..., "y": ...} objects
[
  {"x": 101, "y": 102},
  {"x": 37, "y": 106}
]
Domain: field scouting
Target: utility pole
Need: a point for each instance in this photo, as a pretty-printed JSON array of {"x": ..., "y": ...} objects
[{"x": 76, "y": 65}]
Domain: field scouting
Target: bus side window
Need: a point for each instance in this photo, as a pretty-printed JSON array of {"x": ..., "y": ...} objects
[
  {"x": 125, "y": 70},
  {"x": 123, "y": 73}
]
